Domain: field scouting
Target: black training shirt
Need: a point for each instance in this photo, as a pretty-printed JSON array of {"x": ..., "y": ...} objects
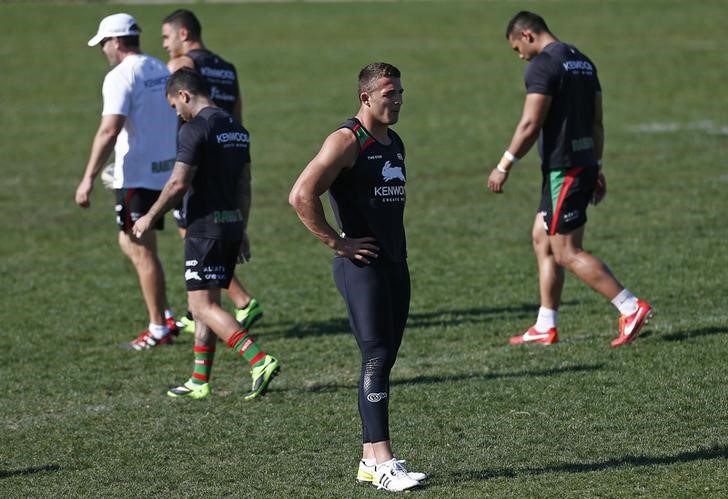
[
  {"x": 368, "y": 199},
  {"x": 220, "y": 76},
  {"x": 570, "y": 78},
  {"x": 220, "y": 148}
]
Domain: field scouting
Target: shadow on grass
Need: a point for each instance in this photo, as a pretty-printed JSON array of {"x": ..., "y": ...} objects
[
  {"x": 439, "y": 318},
  {"x": 48, "y": 468},
  {"x": 538, "y": 373},
  {"x": 715, "y": 452},
  {"x": 694, "y": 333}
]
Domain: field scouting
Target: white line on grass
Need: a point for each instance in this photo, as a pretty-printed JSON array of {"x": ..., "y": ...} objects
[{"x": 707, "y": 126}]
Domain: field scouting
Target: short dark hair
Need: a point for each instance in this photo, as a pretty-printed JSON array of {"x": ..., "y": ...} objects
[
  {"x": 130, "y": 41},
  {"x": 526, "y": 20},
  {"x": 374, "y": 71},
  {"x": 183, "y": 18},
  {"x": 187, "y": 79}
]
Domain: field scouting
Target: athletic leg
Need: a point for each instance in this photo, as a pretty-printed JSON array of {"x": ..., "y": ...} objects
[
  {"x": 143, "y": 254},
  {"x": 570, "y": 254},
  {"x": 550, "y": 274},
  {"x": 550, "y": 286}
]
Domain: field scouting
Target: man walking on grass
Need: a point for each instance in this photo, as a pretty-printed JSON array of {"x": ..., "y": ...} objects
[
  {"x": 212, "y": 170},
  {"x": 563, "y": 110},
  {"x": 138, "y": 125}
]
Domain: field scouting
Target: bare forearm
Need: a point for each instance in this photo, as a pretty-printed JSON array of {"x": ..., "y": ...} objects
[
  {"x": 524, "y": 137},
  {"x": 101, "y": 148},
  {"x": 170, "y": 196},
  {"x": 311, "y": 212}
]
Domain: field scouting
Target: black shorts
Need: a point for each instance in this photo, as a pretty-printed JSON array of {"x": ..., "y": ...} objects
[
  {"x": 132, "y": 204},
  {"x": 565, "y": 196},
  {"x": 209, "y": 263}
]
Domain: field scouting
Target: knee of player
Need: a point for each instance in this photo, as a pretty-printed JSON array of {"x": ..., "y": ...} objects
[
  {"x": 565, "y": 258},
  {"x": 377, "y": 362}
]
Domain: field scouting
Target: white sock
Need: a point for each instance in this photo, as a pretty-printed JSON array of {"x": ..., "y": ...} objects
[
  {"x": 546, "y": 319},
  {"x": 168, "y": 313},
  {"x": 158, "y": 331},
  {"x": 370, "y": 462},
  {"x": 625, "y": 302}
]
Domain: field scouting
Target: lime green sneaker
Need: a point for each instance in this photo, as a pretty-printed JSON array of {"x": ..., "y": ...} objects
[
  {"x": 190, "y": 390},
  {"x": 186, "y": 325},
  {"x": 262, "y": 376},
  {"x": 249, "y": 315}
]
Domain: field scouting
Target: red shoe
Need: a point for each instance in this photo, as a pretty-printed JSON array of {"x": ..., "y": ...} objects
[
  {"x": 533, "y": 336},
  {"x": 145, "y": 341},
  {"x": 172, "y": 325},
  {"x": 630, "y": 325}
]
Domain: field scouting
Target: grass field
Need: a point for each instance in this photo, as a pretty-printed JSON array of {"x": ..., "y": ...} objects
[{"x": 81, "y": 417}]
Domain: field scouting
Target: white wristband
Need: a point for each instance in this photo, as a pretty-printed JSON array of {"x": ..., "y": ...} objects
[
  {"x": 500, "y": 168},
  {"x": 510, "y": 157}
]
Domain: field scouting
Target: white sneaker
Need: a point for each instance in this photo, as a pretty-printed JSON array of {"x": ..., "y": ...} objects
[
  {"x": 391, "y": 475},
  {"x": 366, "y": 473}
]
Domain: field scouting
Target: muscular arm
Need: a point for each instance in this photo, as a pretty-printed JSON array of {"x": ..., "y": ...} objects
[
  {"x": 535, "y": 109},
  {"x": 338, "y": 152},
  {"x": 103, "y": 143}
]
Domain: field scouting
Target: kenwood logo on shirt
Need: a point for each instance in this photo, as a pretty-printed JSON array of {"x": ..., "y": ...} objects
[
  {"x": 574, "y": 65},
  {"x": 224, "y": 138},
  {"x": 218, "y": 73}
]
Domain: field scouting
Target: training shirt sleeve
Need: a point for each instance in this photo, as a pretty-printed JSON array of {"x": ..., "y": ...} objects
[
  {"x": 542, "y": 75},
  {"x": 117, "y": 93},
  {"x": 190, "y": 143}
]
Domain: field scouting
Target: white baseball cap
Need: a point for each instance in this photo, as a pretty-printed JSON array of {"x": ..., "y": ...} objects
[{"x": 115, "y": 25}]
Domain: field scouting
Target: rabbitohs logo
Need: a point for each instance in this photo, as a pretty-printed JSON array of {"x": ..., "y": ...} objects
[{"x": 390, "y": 172}]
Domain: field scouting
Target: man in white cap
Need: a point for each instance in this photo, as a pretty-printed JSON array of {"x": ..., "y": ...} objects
[{"x": 138, "y": 124}]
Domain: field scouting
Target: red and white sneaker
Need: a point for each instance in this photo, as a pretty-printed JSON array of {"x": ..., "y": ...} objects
[
  {"x": 533, "y": 336},
  {"x": 630, "y": 325},
  {"x": 145, "y": 341}
]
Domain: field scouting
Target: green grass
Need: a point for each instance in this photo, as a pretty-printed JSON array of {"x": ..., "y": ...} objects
[{"x": 81, "y": 417}]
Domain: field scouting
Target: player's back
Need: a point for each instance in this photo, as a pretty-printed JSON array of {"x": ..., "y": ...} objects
[
  {"x": 220, "y": 75},
  {"x": 570, "y": 78},
  {"x": 220, "y": 148}
]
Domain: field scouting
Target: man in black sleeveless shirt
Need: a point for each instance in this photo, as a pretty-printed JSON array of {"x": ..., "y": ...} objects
[
  {"x": 182, "y": 39},
  {"x": 212, "y": 171},
  {"x": 563, "y": 110},
  {"x": 362, "y": 166}
]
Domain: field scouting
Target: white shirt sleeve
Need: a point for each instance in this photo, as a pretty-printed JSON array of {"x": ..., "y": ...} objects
[{"x": 117, "y": 93}]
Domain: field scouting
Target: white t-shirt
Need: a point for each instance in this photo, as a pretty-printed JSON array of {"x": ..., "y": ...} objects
[{"x": 147, "y": 145}]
